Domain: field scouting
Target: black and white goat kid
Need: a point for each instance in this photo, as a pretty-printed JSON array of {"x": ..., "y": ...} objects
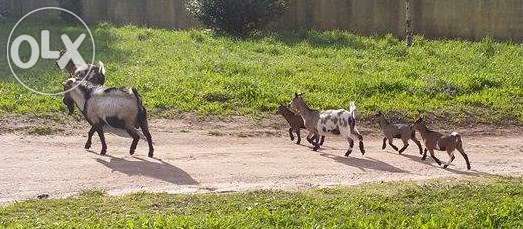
[{"x": 111, "y": 109}]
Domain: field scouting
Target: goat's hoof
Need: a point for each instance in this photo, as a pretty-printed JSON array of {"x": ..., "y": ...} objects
[
  {"x": 131, "y": 152},
  {"x": 445, "y": 166},
  {"x": 103, "y": 152},
  {"x": 87, "y": 146},
  {"x": 151, "y": 154}
]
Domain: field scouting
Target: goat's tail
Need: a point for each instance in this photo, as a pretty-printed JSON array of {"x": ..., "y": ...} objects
[
  {"x": 101, "y": 67},
  {"x": 352, "y": 109}
]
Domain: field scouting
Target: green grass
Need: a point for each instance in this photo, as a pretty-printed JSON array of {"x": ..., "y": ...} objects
[
  {"x": 198, "y": 71},
  {"x": 477, "y": 203}
]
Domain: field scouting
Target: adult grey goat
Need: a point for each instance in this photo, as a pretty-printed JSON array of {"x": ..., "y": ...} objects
[{"x": 113, "y": 108}]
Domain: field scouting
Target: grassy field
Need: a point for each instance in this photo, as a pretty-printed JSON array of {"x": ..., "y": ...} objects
[
  {"x": 493, "y": 203},
  {"x": 198, "y": 71}
]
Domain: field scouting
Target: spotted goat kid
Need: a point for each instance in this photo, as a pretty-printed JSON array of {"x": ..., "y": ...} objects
[
  {"x": 296, "y": 124},
  {"x": 437, "y": 141},
  {"x": 109, "y": 108},
  {"x": 401, "y": 131},
  {"x": 330, "y": 122}
]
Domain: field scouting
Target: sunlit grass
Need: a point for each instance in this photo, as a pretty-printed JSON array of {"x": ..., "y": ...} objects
[
  {"x": 197, "y": 71},
  {"x": 477, "y": 203}
]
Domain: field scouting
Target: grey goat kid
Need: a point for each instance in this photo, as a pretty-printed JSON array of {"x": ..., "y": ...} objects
[
  {"x": 110, "y": 108},
  {"x": 296, "y": 124},
  {"x": 329, "y": 122},
  {"x": 397, "y": 130},
  {"x": 437, "y": 141}
]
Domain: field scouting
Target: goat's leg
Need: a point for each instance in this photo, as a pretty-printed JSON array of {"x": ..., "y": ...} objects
[
  {"x": 90, "y": 137},
  {"x": 299, "y": 137},
  {"x": 405, "y": 145},
  {"x": 392, "y": 145},
  {"x": 451, "y": 155},
  {"x": 136, "y": 138},
  {"x": 310, "y": 138},
  {"x": 434, "y": 157},
  {"x": 415, "y": 140},
  {"x": 351, "y": 145},
  {"x": 100, "y": 131},
  {"x": 384, "y": 143},
  {"x": 460, "y": 149},
  {"x": 424, "y": 157},
  {"x": 144, "y": 125},
  {"x": 322, "y": 140},
  {"x": 360, "y": 139},
  {"x": 291, "y": 134}
]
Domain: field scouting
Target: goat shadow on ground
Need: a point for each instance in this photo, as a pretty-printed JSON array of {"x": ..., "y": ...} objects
[
  {"x": 430, "y": 161},
  {"x": 364, "y": 164},
  {"x": 158, "y": 170}
]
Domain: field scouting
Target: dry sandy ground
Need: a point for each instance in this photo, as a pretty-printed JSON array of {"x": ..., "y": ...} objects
[{"x": 190, "y": 159}]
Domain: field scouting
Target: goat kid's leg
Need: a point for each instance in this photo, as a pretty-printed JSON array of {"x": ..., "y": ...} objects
[
  {"x": 424, "y": 157},
  {"x": 291, "y": 134},
  {"x": 460, "y": 149},
  {"x": 90, "y": 137},
  {"x": 322, "y": 140},
  {"x": 136, "y": 137},
  {"x": 434, "y": 157},
  {"x": 392, "y": 145},
  {"x": 418, "y": 144},
  {"x": 100, "y": 131},
  {"x": 299, "y": 137},
  {"x": 405, "y": 145},
  {"x": 384, "y": 143},
  {"x": 351, "y": 145},
  {"x": 451, "y": 155}
]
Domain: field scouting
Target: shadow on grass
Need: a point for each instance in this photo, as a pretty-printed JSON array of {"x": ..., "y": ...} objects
[
  {"x": 157, "y": 169},
  {"x": 364, "y": 164}
]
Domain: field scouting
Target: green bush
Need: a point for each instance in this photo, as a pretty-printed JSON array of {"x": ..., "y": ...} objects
[
  {"x": 74, "y": 6},
  {"x": 236, "y": 17}
]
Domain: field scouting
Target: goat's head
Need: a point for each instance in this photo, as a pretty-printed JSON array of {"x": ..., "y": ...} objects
[
  {"x": 297, "y": 102},
  {"x": 419, "y": 124},
  {"x": 377, "y": 116},
  {"x": 281, "y": 109}
]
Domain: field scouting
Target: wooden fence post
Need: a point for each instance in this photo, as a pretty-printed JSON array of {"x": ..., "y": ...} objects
[
  {"x": 409, "y": 30},
  {"x": 3, "y": 9}
]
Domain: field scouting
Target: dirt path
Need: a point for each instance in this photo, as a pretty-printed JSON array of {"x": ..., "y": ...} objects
[{"x": 195, "y": 161}]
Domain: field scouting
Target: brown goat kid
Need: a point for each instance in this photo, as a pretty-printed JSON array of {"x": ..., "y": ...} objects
[
  {"x": 296, "y": 124},
  {"x": 397, "y": 130},
  {"x": 437, "y": 141}
]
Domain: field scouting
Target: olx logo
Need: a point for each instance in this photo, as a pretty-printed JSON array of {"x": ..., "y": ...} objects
[
  {"x": 39, "y": 44},
  {"x": 43, "y": 50}
]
